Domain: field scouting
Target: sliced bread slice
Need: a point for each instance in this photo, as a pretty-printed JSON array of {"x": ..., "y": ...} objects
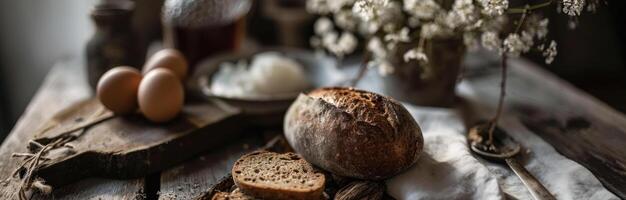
[{"x": 269, "y": 175}]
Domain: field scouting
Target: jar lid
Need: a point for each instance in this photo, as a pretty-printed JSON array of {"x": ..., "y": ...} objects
[
  {"x": 197, "y": 13},
  {"x": 115, "y": 5}
]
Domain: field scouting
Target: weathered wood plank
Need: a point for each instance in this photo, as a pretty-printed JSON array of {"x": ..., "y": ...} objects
[
  {"x": 192, "y": 179},
  {"x": 64, "y": 86},
  {"x": 97, "y": 188},
  {"x": 130, "y": 146}
]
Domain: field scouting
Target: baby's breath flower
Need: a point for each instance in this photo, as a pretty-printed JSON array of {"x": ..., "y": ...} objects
[
  {"x": 337, "y": 5},
  {"x": 415, "y": 54},
  {"x": 317, "y": 6},
  {"x": 592, "y": 5},
  {"x": 394, "y": 38},
  {"x": 494, "y": 7},
  {"x": 462, "y": 13},
  {"x": 421, "y": 9},
  {"x": 495, "y": 23},
  {"x": 377, "y": 48},
  {"x": 388, "y": 23},
  {"x": 536, "y": 26},
  {"x": 392, "y": 15},
  {"x": 470, "y": 41},
  {"x": 400, "y": 36},
  {"x": 431, "y": 30},
  {"x": 414, "y": 22},
  {"x": 323, "y": 25},
  {"x": 573, "y": 7},
  {"x": 346, "y": 44},
  {"x": 550, "y": 52},
  {"x": 346, "y": 20},
  {"x": 382, "y": 64},
  {"x": 339, "y": 45},
  {"x": 527, "y": 38},
  {"x": 514, "y": 45},
  {"x": 369, "y": 9},
  {"x": 474, "y": 26},
  {"x": 464, "y": 6},
  {"x": 389, "y": 28},
  {"x": 490, "y": 40},
  {"x": 329, "y": 39},
  {"x": 454, "y": 19},
  {"x": 542, "y": 28},
  {"x": 377, "y": 14},
  {"x": 384, "y": 67}
]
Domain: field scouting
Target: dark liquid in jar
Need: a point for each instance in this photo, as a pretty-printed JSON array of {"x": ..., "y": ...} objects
[{"x": 199, "y": 43}]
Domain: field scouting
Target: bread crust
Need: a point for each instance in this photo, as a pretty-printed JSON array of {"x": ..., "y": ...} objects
[{"x": 353, "y": 133}]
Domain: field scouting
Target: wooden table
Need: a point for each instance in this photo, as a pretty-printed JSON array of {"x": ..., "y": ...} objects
[{"x": 65, "y": 85}]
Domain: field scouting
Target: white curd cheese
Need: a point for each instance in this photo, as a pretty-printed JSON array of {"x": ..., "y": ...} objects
[{"x": 269, "y": 73}]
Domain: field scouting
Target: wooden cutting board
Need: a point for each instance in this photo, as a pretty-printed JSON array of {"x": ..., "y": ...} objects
[{"x": 130, "y": 146}]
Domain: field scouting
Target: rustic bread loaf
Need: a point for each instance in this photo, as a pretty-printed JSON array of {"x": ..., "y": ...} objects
[
  {"x": 269, "y": 175},
  {"x": 353, "y": 133}
]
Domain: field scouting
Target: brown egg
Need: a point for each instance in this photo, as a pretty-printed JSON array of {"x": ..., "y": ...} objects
[
  {"x": 117, "y": 89},
  {"x": 171, "y": 59},
  {"x": 160, "y": 95}
]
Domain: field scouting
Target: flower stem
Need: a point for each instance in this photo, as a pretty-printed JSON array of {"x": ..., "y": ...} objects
[
  {"x": 496, "y": 117},
  {"x": 529, "y": 8},
  {"x": 494, "y": 121},
  {"x": 362, "y": 69}
]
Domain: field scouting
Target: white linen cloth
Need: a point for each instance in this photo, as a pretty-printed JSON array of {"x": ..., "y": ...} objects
[{"x": 448, "y": 170}]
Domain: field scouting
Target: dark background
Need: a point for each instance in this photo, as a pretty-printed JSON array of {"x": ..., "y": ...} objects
[{"x": 35, "y": 34}]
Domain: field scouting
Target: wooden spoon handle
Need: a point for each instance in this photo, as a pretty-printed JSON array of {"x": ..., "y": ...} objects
[{"x": 536, "y": 189}]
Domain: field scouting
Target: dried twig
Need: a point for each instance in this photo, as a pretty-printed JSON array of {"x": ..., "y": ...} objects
[
  {"x": 32, "y": 161},
  {"x": 42, "y": 187},
  {"x": 362, "y": 69},
  {"x": 494, "y": 121}
]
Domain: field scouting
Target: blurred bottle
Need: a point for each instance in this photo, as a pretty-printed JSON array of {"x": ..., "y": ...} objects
[
  {"x": 113, "y": 43},
  {"x": 292, "y": 20},
  {"x": 201, "y": 28}
]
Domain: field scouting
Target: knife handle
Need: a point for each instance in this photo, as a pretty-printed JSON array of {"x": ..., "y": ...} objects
[{"x": 536, "y": 189}]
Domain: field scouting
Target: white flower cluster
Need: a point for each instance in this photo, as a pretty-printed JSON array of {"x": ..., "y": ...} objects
[
  {"x": 514, "y": 44},
  {"x": 491, "y": 41},
  {"x": 339, "y": 45},
  {"x": 388, "y": 23},
  {"x": 550, "y": 52},
  {"x": 369, "y": 10},
  {"x": 494, "y": 7},
  {"x": 573, "y": 7},
  {"x": 327, "y": 6},
  {"x": 534, "y": 29},
  {"x": 421, "y": 9},
  {"x": 379, "y": 55}
]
